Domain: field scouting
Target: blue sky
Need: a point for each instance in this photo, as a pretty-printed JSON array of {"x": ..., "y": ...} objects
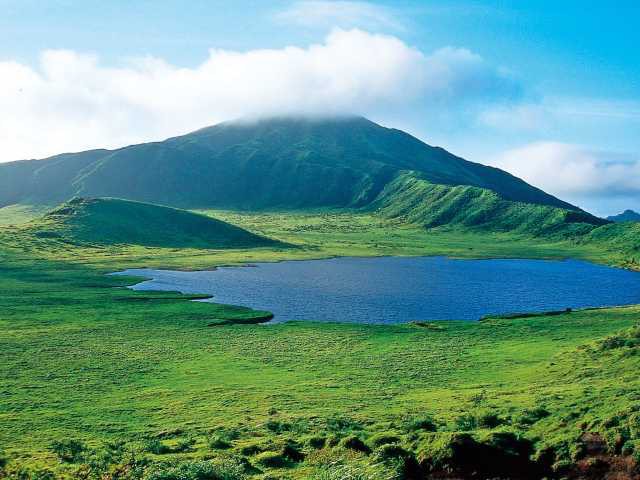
[{"x": 547, "y": 90}]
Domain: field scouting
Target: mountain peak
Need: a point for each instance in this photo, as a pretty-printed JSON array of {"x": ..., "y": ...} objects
[
  {"x": 626, "y": 216},
  {"x": 284, "y": 162}
]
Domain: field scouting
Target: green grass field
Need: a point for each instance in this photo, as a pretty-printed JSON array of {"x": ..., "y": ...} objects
[{"x": 98, "y": 381}]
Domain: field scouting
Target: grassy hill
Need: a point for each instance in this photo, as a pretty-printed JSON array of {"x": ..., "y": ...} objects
[
  {"x": 110, "y": 221},
  {"x": 278, "y": 163},
  {"x": 414, "y": 199}
]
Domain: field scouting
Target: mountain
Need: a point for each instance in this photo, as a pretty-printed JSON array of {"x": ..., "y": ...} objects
[
  {"x": 110, "y": 221},
  {"x": 277, "y": 163},
  {"x": 301, "y": 163},
  {"x": 626, "y": 216}
]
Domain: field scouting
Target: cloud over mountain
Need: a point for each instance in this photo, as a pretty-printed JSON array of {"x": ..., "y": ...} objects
[{"x": 72, "y": 101}]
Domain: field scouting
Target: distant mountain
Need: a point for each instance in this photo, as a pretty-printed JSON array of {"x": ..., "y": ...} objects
[
  {"x": 110, "y": 221},
  {"x": 279, "y": 163},
  {"x": 626, "y": 216},
  {"x": 300, "y": 163}
]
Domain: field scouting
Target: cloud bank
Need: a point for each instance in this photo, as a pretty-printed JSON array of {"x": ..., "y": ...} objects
[
  {"x": 71, "y": 101},
  {"x": 577, "y": 173}
]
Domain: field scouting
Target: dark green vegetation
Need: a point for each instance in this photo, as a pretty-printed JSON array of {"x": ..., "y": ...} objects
[
  {"x": 626, "y": 216},
  {"x": 110, "y": 221},
  {"x": 414, "y": 199},
  {"x": 276, "y": 163}
]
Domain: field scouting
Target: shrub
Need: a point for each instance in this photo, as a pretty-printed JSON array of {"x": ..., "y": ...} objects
[
  {"x": 292, "y": 451},
  {"x": 70, "y": 451},
  {"x": 272, "y": 460},
  {"x": 531, "y": 416},
  {"x": 184, "y": 445},
  {"x": 217, "y": 442},
  {"x": 342, "y": 424},
  {"x": 465, "y": 423},
  {"x": 277, "y": 426},
  {"x": 628, "y": 448},
  {"x": 3, "y": 461},
  {"x": 226, "y": 469},
  {"x": 254, "y": 448},
  {"x": 156, "y": 447},
  {"x": 389, "y": 452},
  {"x": 489, "y": 420},
  {"x": 384, "y": 438},
  {"x": 634, "y": 425},
  {"x": 353, "y": 442},
  {"x": 333, "y": 440},
  {"x": 426, "y": 424},
  {"x": 316, "y": 442}
]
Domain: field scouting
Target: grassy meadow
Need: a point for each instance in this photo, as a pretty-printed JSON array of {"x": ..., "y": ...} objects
[{"x": 101, "y": 382}]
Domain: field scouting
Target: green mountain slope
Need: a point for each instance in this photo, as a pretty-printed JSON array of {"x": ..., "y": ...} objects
[
  {"x": 110, "y": 221},
  {"x": 281, "y": 163},
  {"x": 414, "y": 199}
]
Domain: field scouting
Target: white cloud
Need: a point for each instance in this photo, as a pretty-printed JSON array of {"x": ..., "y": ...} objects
[
  {"x": 345, "y": 14},
  {"x": 72, "y": 101},
  {"x": 548, "y": 114},
  {"x": 518, "y": 117},
  {"x": 574, "y": 172}
]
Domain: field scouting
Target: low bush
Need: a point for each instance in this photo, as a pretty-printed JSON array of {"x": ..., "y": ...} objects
[
  {"x": 272, "y": 459},
  {"x": 277, "y": 426},
  {"x": 633, "y": 423},
  {"x": 384, "y": 438},
  {"x": 353, "y": 442},
  {"x": 156, "y": 447},
  {"x": 316, "y": 442},
  {"x": 465, "y": 423},
  {"x": 531, "y": 416},
  {"x": 489, "y": 419},
  {"x": 292, "y": 451},
  {"x": 70, "y": 451},
  {"x": 426, "y": 424},
  {"x": 184, "y": 445},
  {"x": 390, "y": 452},
  {"x": 254, "y": 448},
  {"x": 342, "y": 425},
  {"x": 217, "y": 442}
]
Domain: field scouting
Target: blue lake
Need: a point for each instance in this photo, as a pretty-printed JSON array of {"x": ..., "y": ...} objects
[{"x": 403, "y": 289}]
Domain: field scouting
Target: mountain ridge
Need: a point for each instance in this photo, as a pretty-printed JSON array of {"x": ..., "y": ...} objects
[{"x": 277, "y": 163}]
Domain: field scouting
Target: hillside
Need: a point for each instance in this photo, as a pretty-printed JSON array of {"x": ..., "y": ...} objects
[
  {"x": 279, "y": 163},
  {"x": 626, "y": 216},
  {"x": 413, "y": 199},
  {"x": 110, "y": 221}
]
